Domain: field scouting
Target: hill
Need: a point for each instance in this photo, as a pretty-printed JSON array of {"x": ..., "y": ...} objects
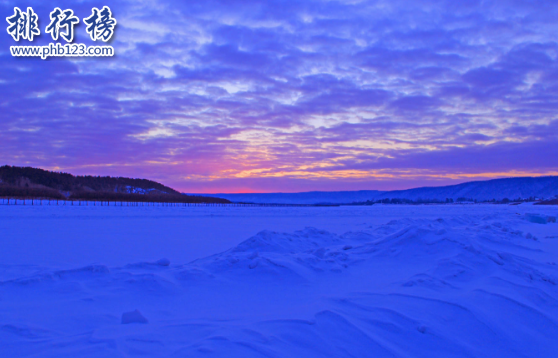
[
  {"x": 33, "y": 182},
  {"x": 488, "y": 190},
  {"x": 311, "y": 197}
]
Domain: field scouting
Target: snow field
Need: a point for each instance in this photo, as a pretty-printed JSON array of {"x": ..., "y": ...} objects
[{"x": 399, "y": 281}]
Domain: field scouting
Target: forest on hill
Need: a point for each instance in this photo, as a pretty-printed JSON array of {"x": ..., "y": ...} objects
[{"x": 28, "y": 182}]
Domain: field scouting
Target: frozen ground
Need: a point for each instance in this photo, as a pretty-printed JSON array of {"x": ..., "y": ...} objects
[{"x": 380, "y": 281}]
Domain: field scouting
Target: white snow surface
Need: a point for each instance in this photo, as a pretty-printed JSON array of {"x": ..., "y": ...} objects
[
  {"x": 135, "y": 190},
  {"x": 379, "y": 281}
]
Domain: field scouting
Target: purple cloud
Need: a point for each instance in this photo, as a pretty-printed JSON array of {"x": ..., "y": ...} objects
[{"x": 289, "y": 96}]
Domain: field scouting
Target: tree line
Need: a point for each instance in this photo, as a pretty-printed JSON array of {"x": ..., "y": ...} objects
[
  {"x": 13, "y": 192},
  {"x": 446, "y": 201},
  {"x": 29, "y": 177}
]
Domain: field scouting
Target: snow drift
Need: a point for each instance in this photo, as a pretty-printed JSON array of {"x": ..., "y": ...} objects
[{"x": 462, "y": 286}]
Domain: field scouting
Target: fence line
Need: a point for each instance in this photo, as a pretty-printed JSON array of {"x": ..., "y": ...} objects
[{"x": 59, "y": 202}]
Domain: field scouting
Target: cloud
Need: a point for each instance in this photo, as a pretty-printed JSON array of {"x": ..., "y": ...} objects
[{"x": 223, "y": 95}]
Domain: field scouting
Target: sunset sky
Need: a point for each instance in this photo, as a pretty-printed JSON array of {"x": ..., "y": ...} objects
[{"x": 287, "y": 96}]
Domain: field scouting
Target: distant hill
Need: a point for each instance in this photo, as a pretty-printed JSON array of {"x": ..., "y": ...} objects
[
  {"x": 311, "y": 197},
  {"x": 496, "y": 189},
  {"x": 34, "y": 182}
]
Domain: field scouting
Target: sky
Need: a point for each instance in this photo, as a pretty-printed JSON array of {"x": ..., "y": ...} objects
[{"x": 288, "y": 96}]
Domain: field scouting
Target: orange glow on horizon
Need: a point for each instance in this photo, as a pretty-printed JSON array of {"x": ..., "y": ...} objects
[{"x": 363, "y": 183}]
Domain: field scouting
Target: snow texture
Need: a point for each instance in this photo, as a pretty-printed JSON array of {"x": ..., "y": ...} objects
[
  {"x": 401, "y": 281},
  {"x": 134, "y": 316}
]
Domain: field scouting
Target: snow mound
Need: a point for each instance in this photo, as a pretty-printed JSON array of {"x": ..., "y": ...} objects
[
  {"x": 163, "y": 262},
  {"x": 133, "y": 317},
  {"x": 300, "y": 241},
  {"x": 285, "y": 255},
  {"x": 151, "y": 265},
  {"x": 540, "y": 219}
]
